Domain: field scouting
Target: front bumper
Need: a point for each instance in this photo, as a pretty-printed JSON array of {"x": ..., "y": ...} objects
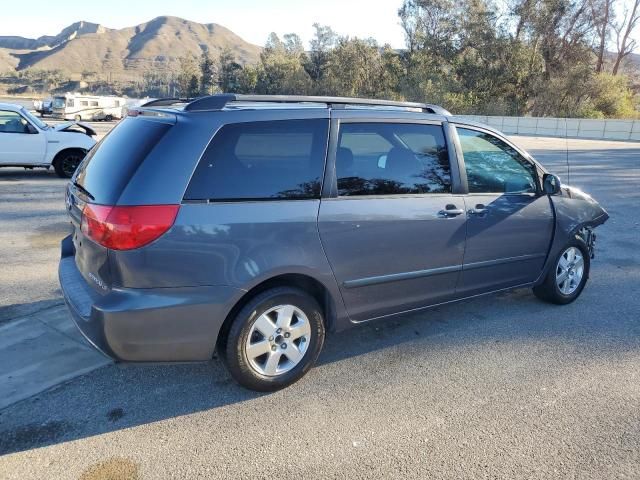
[{"x": 161, "y": 324}]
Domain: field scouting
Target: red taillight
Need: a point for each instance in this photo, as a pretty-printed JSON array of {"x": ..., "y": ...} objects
[{"x": 125, "y": 228}]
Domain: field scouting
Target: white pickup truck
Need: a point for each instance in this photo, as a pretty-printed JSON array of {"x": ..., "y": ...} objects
[{"x": 26, "y": 141}]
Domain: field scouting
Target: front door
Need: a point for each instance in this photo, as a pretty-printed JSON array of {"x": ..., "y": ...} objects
[
  {"x": 393, "y": 232},
  {"x": 510, "y": 222},
  {"x": 18, "y": 146}
]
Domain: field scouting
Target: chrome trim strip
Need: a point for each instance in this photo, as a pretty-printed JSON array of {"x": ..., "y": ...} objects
[
  {"x": 500, "y": 261},
  {"x": 394, "y": 277}
]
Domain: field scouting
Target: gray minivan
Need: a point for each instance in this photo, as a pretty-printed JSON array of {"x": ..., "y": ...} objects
[{"x": 253, "y": 224}]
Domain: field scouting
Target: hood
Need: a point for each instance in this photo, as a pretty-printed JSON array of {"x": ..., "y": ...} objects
[
  {"x": 75, "y": 127},
  {"x": 576, "y": 193}
]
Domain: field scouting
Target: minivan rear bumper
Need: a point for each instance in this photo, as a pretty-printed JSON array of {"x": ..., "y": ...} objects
[{"x": 161, "y": 324}]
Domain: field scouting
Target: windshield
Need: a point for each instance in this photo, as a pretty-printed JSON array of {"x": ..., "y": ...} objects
[
  {"x": 58, "y": 102},
  {"x": 35, "y": 120}
]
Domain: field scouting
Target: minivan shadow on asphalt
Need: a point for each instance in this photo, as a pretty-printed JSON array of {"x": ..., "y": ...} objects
[{"x": 127, "y": 395}]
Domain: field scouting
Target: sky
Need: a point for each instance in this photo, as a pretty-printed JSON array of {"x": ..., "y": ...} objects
[{"x": 253, "y": 20}]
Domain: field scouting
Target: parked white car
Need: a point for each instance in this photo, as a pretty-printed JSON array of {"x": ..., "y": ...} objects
[{"x": 26, "y": 141}]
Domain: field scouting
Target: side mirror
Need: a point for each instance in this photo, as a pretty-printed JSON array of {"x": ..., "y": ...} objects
[
  {"x": 550, "y": 184},
  {"x": 30, "y": 128}
]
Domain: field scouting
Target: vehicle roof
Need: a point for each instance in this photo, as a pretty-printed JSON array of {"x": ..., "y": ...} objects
[
  {"x": 380, "y": 112},
  {"x": 222, "y": 101},
  {"x": 11, "y": 106},
  {"x": 473, "y": 123}
]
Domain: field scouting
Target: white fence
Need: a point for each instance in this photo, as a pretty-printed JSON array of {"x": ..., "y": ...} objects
[{"x": 560, "y": 127}]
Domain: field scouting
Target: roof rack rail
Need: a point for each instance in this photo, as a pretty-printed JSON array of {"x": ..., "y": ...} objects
[
  {"x": 164, "y": 102},
  {"x": 219, "y": 101}
]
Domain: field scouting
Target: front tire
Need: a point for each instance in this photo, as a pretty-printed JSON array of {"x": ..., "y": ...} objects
[
  {"x": 275, "y": 339},
  {"x": 66, "y": 163},
  {"x": 568, "y": 276}
]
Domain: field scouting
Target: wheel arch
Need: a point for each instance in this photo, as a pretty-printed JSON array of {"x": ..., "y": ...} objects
[
  {"x": 562, "y": 235},
  {"x": 304, "y": 282},
  {"x": 64, "y": 150}
]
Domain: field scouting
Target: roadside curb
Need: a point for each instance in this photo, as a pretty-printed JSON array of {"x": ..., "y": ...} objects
[{"x": 40, "y": 350}]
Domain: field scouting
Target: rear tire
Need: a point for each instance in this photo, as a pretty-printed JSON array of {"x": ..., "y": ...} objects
[
  {"x": 66, "y": 163},
  {"x": 562, "y": 285},
  {"x": 274, "y": 340}
]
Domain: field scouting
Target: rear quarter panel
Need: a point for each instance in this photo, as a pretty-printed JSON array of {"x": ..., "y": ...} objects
[
  {"x": 231, "y": 244},
  {"x": 237, "y": 244}
]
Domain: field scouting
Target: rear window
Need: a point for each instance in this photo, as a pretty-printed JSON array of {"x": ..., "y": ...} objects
[
  {"x": 110, "y": 164},
  {"x": 262, "y": 160}
]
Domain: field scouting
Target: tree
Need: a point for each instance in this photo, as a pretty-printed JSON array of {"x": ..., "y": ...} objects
[
  {"x": 188, "y": 80},
  {"x": 281, "y": 67},
  {"x": 625, "y": 44},
  {"x": 432, "y": 26},
  {"x": 562, "y": 29},
  {"x": 193, "y": 87},
  {"x": 360, "y": 68},
  {"x": 248, "y": 79},
  {"x": 229, "y": 72},
  {"x": 545, "y": 57},
  {"x": 207, "y": 74},
  {"x": 608, "y": 95},
  {"x": 601, "y": 10},
  {"x": 321, "y": 44}
]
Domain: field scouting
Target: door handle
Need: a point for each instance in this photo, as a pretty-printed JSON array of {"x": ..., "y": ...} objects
[
  {"x": 479, "y": 209},
  {"x": 450, "y": 211}
]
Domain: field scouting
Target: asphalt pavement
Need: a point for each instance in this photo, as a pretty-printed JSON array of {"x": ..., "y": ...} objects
[{"x": 502, "y": 386}]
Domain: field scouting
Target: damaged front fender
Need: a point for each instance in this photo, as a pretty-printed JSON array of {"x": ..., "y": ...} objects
[
  {"x": 75, "y": 126},
  {"x": 577, "y": 214}
]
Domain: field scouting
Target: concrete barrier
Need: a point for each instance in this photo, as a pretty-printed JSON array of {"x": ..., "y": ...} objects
[{"x": 560, "y": 127}]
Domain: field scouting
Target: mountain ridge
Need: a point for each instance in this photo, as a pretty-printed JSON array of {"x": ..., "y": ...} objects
[{"x": 91, "y": 47}]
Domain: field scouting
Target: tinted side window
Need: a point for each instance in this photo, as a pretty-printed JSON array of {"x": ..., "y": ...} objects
[
  {"x": 493, "y": 166},
  {"x": 262, "y": 160},
  {"x": 392, "y": 158}
]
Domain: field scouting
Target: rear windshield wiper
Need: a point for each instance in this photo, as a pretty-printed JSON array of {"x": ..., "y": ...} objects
[{"x": 83, "y": 190}]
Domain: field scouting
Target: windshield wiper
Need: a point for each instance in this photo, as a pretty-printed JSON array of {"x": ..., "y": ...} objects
[{"x": 83, "y": 190}]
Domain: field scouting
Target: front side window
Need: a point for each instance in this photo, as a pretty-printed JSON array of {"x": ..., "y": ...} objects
[
  {"x": 262, "y": 160},
  {"x": 493, "y": 166},
  {"x": 391, "y": 159},
  {"x": 12, "y": 122},
  {"x": 70, "y": 102}
]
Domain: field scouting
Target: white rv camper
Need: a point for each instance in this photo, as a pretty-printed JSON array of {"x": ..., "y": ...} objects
[{"x": 76, "y": 106}]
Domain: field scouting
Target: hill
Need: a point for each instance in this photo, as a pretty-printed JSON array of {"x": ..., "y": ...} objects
[{"x": 154, "y": 45}]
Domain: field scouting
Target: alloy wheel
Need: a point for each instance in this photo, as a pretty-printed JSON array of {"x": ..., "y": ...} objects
[
  {"x": 70, "y": 164},
  {"x": 278, "y": 340},
  {"x": 569, "y": 270}
]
